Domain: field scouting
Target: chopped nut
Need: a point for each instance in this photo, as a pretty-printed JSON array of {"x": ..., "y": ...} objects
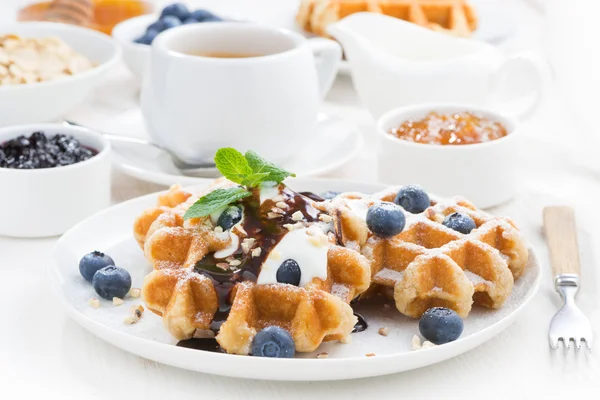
[
  {"x": 325, "y": 218},
  {"x": 322, "y": 355},
  {"x": 277, "y": 210},
  {"x": 291, "y": 227},
  {"x": 282, "y": 205},
  {"x": 297, "y": 216},
  {"x": 235, "y": 263},
  {"x": 384, "y": 331},
  {"x": 223, "y": 266},
  {"x": 241, "y": 230},
  {"x": 247, "y": 244},
  {"x": 272, "y": 215},
  {"x": 416, "y": 343},
  {"x": 370, "y": 354},
  {"x": 229, "y": 259},
  {"x": 134, "y": 292},
  {"x": 427, "y": 344},
  {"x": 136, "y": 314},
  {"x": 314, "y": 241},
  {"x": 117, "y": 301},
  {"x": 274, "y": 255},
  {"x": 94, "y": 302},
  {"x": 203, "y": 334},
  {"x": 218, "y": 229},
  {"x": 256, "y": 252}
]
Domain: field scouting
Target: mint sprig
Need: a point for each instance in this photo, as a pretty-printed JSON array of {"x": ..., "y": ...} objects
[
  {"x": 248, "y": 169},
  {"x": 214, "y": 201}
]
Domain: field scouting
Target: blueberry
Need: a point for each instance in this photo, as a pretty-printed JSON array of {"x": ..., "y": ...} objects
[
  {"x": 92, "y": 262},
  {"x": 385, "y": 219},
  {"x": 157, "y": 26},
  {"x": 228, "y": 218},
  {"x": 170, "y": 22},
  {"x": 440, "y": 325},
  {"x": 111, "y": 281},
  {"x": 189, "y": 20},
  {"x": 289, "y": 272},
  {"x": 214, "y": 18},
  {"x": 202, "y": 15},
  {"x": 177, "y": 10},
  {"x": 459, "y": 222},
  {"x": 413, "y": 199},
  {"x": 328, "y": 195},
  {"x": 147, "y": 38},
  {"x": 273, "y": 341}
]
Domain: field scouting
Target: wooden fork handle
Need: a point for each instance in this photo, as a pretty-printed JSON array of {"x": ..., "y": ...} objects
[{"x": 561, "y": 236}]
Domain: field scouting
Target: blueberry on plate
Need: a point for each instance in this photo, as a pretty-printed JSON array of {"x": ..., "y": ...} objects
[
  {"x": 440, "y": 325},
  {"x": 412, "y": 198},
  {"x": 202, "y": 15},
  {"x": 328, "y": 195},
  {"x": 147, "y": 38},
  {"x": 385, "y": 219},
  {"x": 170, "y": 22},
  {"x": 228, "y": 218},
  {"x": 112, "y": 281},
  {"x": 189, "y": 20},
  {"x": 275, "y": 342},
  {"x": 289, "y": 272},
  {"x": 92, "y": 262},
  {"x": 214, "y": 18},
  {"x": 459, "y": 222},
  {"x": 157, "y": 26},
  {"x": 177, "y": 10}
]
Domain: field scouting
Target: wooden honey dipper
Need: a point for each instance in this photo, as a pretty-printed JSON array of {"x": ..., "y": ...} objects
[{"x": 76, "y": 12}]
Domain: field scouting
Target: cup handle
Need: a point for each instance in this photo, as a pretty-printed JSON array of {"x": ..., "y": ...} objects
[
  {"x": 328, "y": 55},
  {"x": 528, "y": 66}
]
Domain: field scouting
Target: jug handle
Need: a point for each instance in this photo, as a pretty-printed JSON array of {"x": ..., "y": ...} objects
[
  {"x": 535, "y": 69},
  {"x": 328, "y": 56}
]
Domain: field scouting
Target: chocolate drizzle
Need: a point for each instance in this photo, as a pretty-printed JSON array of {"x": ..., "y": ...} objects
[
  {"x": 267, "y": 233},
  {"x": 361, "y": 325},
  {"x": 201, "y": 344}
]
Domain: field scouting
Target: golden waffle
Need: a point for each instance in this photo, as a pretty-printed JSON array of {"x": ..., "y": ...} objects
[
  {"x": 455, "y": 17},
  {"x": 428, "y": 264},
  {"x": 188, "y": 300}
]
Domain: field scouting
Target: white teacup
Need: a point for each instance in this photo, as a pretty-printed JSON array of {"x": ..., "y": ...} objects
[
  {"x": 483, "y": 173},
  {"x": 196, "y": 104}
]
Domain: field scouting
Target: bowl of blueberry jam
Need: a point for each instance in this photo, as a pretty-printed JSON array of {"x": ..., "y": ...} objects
[{"x": 55, "y": 176}]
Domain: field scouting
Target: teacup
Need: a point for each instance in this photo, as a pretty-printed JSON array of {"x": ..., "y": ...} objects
[
  {"x": 484, "y": 173},
  {"x": 195, "y": 103}
]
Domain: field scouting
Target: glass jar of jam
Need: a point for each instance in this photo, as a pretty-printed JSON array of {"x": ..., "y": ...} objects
[
  {"x": 460, "y": 128},
  {"x": 101, "y": 15}
]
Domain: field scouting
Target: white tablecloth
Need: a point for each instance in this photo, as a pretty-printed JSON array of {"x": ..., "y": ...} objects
[{"x": 44, "y": 354}]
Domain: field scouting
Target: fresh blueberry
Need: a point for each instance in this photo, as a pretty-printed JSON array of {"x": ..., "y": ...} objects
[
  {"x": 328, "y": 195},
  {"x": 177, "y": 10},
  {"x": 214, "y": 18},
  {"x": 92, "y": 262},
  {"x": 385, "y": 219},
  {"x": 189, "y": 20},
  {"x": 459, "y": 222},
  {"x": 440, "y": 325},
  {"x": 289, "y": 272},
  {"x": 273, "y": 341},
  {"x": 157, "y": 26},
  {"x": 413, "y": 199},
  {"x": 147, "y": 38},
  {"x": 170, "y": 22},
  {"x": 228, "y": 218},
  {"x": 111, "y": 281},
  {"x": 202, "y": 15}
]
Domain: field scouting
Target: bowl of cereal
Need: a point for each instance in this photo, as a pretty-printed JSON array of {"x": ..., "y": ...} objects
[{"x": 46, "y": 69}]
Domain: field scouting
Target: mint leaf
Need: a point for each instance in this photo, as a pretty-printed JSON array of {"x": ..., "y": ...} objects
[
  {"x": 255, "y": 179},
  {"x": 215, "y": 200},
  {"x": 232, "y": 164},
  {"x": 261, "y": 166}
]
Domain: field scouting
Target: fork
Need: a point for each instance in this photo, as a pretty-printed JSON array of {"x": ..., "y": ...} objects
[{"x": 569, "y": 323}]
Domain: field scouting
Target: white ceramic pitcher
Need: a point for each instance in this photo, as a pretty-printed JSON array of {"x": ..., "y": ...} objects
[{"x": 396, "y": 63}]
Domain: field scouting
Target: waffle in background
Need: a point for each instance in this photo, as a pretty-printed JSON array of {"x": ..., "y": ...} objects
[{"x": 455, "y": 17}]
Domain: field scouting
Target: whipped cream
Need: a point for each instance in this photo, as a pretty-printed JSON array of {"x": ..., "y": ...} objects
[
  {"x": 268, "y": 190},
  {"x": 359, "y": 207},
  {"x": 307, "y": 246}
]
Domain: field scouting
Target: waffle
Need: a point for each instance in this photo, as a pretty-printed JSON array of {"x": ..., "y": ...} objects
[
  {"x": 189, "y": 301},
  {"x": 428, "y": 264},
  {"x": 455, "y": 17}
]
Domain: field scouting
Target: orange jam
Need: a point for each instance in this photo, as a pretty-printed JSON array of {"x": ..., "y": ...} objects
[
  {"x": 105, "y": 14},
  {"x": 450, "y": 129}
]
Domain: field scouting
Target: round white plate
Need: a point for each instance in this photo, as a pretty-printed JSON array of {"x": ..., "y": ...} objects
[{"x": 111, "y": 231}]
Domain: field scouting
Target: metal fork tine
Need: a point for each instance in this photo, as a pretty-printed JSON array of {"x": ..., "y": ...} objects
[
  {"x": 554, "y": 341},
  {"x": 588, "y": 342},
  {"x": 577, "y": 343}
]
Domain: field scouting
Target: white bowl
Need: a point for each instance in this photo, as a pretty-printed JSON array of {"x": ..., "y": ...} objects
[
  {"x": 48, "y": 101},
  {"x": 484, "y": 173},
  {"x": 47, "y": 202},
  {"x": 135, "y": 55}
]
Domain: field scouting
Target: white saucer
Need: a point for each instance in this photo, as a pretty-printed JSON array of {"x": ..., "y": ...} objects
[{"x": 111, "y": 231}]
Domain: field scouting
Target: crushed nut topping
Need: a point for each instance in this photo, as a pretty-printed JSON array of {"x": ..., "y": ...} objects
[
  {"x": 298, "y": 216},
  {"x": 325, "y": 218},
  {"x": 223, "y": 266},
  {"x": 256, "y": 252},
  {"x": 235, "y": 263},
  {"x": 384, "y": 331},
  {"x": 370, "y": 354},
  {"x": 323, "y": 355},
  {"x": 134, "y": 292},
  {"x": 218, "y": 229},
  {"x": 94, "y": 302},
  {"x": 117, "y": 301},
  {"x": 427, "y": 344},
  {"x": 203, "y": 334},
  {"x": 277, "y": 210},
  {"x": 282, "y": 205},
  {"x": 272, "y": 215},
  {"x": 136, "y": 315},
  {"x": 416, "y": 343}
]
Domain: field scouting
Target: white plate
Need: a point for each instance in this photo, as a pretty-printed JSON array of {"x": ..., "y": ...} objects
[{"x": 111, "y": 231}]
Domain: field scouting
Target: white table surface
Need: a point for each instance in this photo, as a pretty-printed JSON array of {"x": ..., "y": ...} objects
[{"x": 44, "y": 354}]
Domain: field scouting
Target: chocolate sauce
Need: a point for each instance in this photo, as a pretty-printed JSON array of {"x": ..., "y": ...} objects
[
  {"x": 361, "y": 325},
  {"x": 201, "y": 344},
  {"x": 267, "y": 233}
]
